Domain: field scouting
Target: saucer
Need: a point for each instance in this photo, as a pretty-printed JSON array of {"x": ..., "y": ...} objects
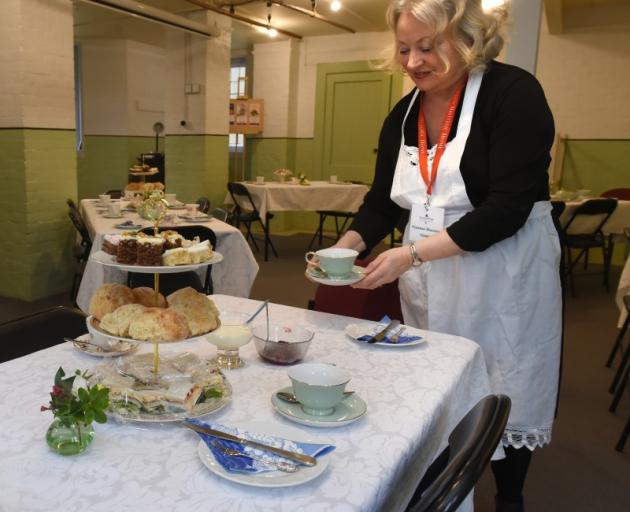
[
  {"x": 196, "y": 218},
  {"x": 353, "y": 277},
  {"x": 131, "y": 227},
  {"x": 349, "y": 410},
  {"x": 108, "y": 216},
  {"x": 118, "y": 349}
]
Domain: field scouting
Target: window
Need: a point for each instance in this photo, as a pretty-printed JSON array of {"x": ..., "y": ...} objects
[
  {"x": 78, "y": 102},
  {"x": 238, "y": 86}
]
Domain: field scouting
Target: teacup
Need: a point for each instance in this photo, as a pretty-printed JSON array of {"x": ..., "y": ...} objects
[
  {"x": 335, "y": 261},
  {"x": 171, "y": 199},
  {"x": 318, "y": 386},
  {"x": 260, "y": 179},
  {"x": 192, "y": 210},
  {"x": 104, "y": 199},
  {"x": 295, "y": 180},
  {"x": 333, "y": 179},
  {"x": 113, "y": 209}
]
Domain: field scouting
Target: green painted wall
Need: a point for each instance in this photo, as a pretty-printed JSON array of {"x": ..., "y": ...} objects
[
  {"x": 197, "y": 165},
  {"x": 597, "y": 165},
  {"x": 39, "y": 171},
  {"x": 105, "y": 160}
]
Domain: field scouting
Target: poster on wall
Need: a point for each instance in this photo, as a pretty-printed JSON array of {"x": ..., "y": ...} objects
[{"x": 246, "y": 116}]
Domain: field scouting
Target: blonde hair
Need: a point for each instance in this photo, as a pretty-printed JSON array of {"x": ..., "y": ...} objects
[{"x": 478, "y": 36}]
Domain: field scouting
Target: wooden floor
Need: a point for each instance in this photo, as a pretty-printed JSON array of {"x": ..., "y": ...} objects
[{"x": 579, "y": 471}]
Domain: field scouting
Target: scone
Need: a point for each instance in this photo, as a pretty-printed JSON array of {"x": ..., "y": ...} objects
[
  {"x": 146, "y": 296},
  {"x": 200, "y": 312},
  {"x": 158, "y": 325},
  {"x": 108, "y": 298},
  {"x": 118, "y": 321}
]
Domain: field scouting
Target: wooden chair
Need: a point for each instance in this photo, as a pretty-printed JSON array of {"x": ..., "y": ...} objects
[
  {"x": 40, "y": 330},
  {"x": 115, "y": 193},
  {"x": 602, "y": 208},
  {"x": 245, "y": 211},
  {"x": 617, "y": 193},
  {"x": 173, "y": 282},
  {"x": 470, "y": 446}
]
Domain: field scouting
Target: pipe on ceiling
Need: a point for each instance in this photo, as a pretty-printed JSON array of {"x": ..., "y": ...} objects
[{"x": 149, "y": 13}]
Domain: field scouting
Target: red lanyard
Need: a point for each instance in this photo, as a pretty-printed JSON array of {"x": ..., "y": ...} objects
[{"x": 441, "y": 146}]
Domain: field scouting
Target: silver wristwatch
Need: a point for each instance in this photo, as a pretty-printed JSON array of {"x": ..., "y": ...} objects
[{"x": 416, "y": 260}]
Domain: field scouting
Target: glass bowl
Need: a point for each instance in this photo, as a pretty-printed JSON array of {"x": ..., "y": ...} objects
[
  {"x": 286, "y": 344},
  {"x": 232, "y": 333}
]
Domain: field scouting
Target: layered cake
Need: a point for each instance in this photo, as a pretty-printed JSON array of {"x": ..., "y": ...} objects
[
  {"x": 178, "y": 256},
  {"x": 127, "y": 249},
  {"x": 200, "y": 252},
  {"x": 172, "y": 239},
  {"x": 150, "y": 250},
  {"x": 110, "y": 243}
]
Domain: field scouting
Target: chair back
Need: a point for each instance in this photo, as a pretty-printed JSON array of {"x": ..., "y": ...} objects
[
  {"x": 79, "y": 224},
  {"x": 591, "y": 208},
  {"x": 357, "y": 303},
  {"x": 203, "y": 204},
  {"x": 241, "y": 197},
  {"x": 470, "y": 447},
  {"x": 219, "y": 214},
  {"x": 39, "y": 330},
  {"x": 617, "y": 193}
]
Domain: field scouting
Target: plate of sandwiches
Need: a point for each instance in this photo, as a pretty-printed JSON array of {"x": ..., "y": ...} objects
[
  {"x": 134, "y": 314},
  {"x": 186, "y": 386}
]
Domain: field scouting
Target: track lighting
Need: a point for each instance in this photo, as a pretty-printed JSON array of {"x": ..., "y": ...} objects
[{"x": 335, "y": 5}]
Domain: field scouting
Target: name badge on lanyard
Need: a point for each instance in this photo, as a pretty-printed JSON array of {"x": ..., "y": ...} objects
[{"x": 427, "y": 220}]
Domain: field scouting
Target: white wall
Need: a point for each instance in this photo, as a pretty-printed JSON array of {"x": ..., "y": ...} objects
[{"x": 586, "y": 77}]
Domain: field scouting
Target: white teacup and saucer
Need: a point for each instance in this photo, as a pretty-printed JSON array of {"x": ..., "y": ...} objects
[{"x": 335, "y": 267}]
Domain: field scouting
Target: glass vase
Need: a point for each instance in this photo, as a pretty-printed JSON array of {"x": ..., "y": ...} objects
[{"x": 69, "y": 437}]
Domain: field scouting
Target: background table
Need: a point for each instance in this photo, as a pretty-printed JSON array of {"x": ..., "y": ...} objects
[
  {"x": 274, "y": 196},
  {"x": 615, "y": 225},
  {"x": 415, "y": 396},
  {"x": 233, "y": 276}
]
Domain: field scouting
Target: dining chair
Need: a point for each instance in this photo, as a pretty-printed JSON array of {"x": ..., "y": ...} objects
[
  {"x": 470, "y": 447},
  {"x": 81, "y": 251},
  {"x": 358, "y": 303},
  {"x": 558, "y": 207},
  {"x": 617, "y": 345},
  {"x": 339, "y": 229},
  {"x": 203, "y": 204},
  {"x": 219, "y": 214},
  {"x": 40, "y": 330},
  {"x": 601, "y": 210},
  {"x": 617, "y": 193},
  {"x": 245, "y": 211},
  {"x": 173, "y": 282}
]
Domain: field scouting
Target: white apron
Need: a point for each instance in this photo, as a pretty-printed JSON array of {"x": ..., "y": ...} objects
[{"x": 506, "y": 298}]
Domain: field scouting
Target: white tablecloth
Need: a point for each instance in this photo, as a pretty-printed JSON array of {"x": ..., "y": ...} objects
[
  {"x": 233, "y": 276},
  {"x": 415, "y": 396},
  {"x": 274, "y": 196},
  {"x": 615, "y": 225},
  {"x": 623, "y": 289}
]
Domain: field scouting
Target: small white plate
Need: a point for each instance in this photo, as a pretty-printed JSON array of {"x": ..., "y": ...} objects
[
  {"x": 108, "y": 216},
  {"x": 196, "y": 218},
  {"x": 355, "y": 276},
  {"x": 110, "y": 261},
  {"x": 348, "y": 411},
  {"x": 268, "y": 478},
  {"x": 356, "y": 331},
  {"x": 118, "y": 349},
  {"x": 130, "y": 227}
]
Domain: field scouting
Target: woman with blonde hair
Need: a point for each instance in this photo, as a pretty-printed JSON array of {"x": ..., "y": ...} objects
[{"x": 465, "y": 156}]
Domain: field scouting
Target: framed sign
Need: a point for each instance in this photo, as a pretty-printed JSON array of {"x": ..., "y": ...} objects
[{"x": 246, "y": 116}]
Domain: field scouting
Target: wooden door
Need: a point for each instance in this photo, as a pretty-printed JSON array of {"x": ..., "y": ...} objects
[{"x": 351, "y": 103}]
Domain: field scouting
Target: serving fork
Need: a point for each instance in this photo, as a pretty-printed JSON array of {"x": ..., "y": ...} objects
[{"x": 286, "y": 467}]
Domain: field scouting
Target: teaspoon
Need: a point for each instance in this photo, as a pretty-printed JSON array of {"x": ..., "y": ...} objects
[{"x": 292, "y": 399}]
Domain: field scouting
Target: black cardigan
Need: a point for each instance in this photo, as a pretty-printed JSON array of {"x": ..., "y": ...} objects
[{"x": 504, "y": 164}]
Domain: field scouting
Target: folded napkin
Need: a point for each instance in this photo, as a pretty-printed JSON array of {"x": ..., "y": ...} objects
[
  {"x": 243, "y": 464},
  {"x": 402, "y": 339}
]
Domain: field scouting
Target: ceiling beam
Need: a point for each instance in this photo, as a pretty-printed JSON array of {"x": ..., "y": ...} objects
[
  {"x": 313, "y": 14},
  {"x": 553, "y": 12},
  {"x": 242, "y": 19}
]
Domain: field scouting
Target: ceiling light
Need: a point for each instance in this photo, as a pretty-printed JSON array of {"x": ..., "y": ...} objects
[
  {"x": 335, "y": 5},
  {"x": 272, "y": 32},
  {"x": 488, "y": 5}
]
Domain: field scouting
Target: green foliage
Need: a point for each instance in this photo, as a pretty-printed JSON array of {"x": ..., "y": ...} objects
[{"x": 82, "y": 405}]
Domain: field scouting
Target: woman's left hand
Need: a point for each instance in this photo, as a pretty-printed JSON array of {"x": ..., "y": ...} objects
[{"x": 387, "y": 267}]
